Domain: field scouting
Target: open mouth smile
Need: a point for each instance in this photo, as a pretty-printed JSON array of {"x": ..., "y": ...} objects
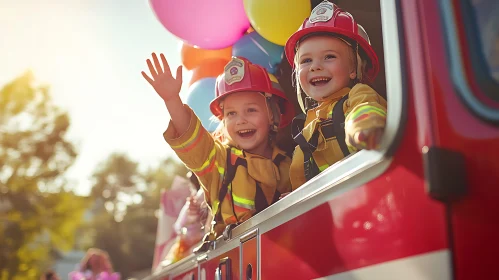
[
  {"x": 246, "y": 133},
  {"x": 319, "y": 81}
]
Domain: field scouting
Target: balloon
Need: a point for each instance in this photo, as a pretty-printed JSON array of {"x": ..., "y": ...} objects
[
  {"x": 259, "y": 51},
  {"x": 200, "y": 94},
  {"x": 208, "y": 24},
  {"x": 276, "y": 20},
  {"x": 192, "y": 57},
  {"x": 210, "y": 68}
]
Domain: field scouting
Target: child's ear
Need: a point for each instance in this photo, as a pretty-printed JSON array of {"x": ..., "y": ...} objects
[{"x": 353, "y": 74}]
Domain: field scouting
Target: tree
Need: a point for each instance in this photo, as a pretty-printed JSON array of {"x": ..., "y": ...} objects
[
  {"x": 37, "y": 214},
  {"x": 117, "y": 183},
  {"x": 129, "y": 236}
]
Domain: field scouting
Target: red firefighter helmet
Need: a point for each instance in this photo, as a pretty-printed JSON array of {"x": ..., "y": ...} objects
[
  {"x": 242, "y": 75},
  {"x": 329, "y": 18}
]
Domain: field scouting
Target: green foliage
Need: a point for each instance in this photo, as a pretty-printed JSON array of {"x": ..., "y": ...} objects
[
  {"x": 37, "y": 215},
  {"x": 129, "y": 236},
  {"x": 117, "y": 182}
]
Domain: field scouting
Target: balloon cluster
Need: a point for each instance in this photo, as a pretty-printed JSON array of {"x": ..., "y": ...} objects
[{"x": 212, "y": 31}]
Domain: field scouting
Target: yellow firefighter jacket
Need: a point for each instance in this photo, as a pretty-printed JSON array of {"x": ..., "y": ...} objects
[
  {"x": 209, "y": 159},
  {"x": 363, "y": 109}
]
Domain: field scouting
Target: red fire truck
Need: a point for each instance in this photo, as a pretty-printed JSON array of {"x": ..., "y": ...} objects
[{"x": 424, "y": 206}]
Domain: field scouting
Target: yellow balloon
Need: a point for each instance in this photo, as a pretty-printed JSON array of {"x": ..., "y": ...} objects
[{"x": 276, "y": 20}]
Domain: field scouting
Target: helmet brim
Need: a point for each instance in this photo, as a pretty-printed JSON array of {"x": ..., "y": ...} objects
[{"x": 290, "y": 48}]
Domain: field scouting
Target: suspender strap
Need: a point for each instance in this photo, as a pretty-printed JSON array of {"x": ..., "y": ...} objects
[
  {"x": 338, "y": 127},
  {"x": 307, "y": 147},
  {"x": 260, "y": 199},
  {"x": 229, "y": 175},
  {"x": 278, "y": 159}
]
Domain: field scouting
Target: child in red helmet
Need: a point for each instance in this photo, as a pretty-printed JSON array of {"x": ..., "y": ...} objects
[
  {"x": 333, "y": 60},
  {"x": 245, "y": 172}
]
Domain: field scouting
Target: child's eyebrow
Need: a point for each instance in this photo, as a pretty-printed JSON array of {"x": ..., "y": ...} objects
[
  {"x": 323, "y": 51},
  {"x": 303, "y": 54},
  {"x": 245, "y": 104}
]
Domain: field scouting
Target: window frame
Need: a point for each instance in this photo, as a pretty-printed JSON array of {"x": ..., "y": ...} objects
[
  {"x": 468, "y": 68},
  {"x": 350, "y": 173}
]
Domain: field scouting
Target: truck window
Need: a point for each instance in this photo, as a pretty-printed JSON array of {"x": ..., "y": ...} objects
[
  {"x": 472, "y": 34},
  {"x": 486, "y": 16}
]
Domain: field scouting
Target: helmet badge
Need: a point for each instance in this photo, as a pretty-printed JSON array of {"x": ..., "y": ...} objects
[
  {"x": 234, "y": 71},
  {"x": 322, "y": 12}
]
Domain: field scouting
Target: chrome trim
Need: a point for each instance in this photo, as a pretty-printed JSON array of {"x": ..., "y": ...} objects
[
  {"x": 428, "y": 265},
  {"x": 249, "y": 235},
  {"x": 202, "y": 258},
  {"x": 184, "y": 267},
  {"x": 174, "y": 269},
  {"x": 240, "y": 260},
  {"x": 223, "y": 247},
  {"x": 258, "y": 257},
  {"x": 456, "y": 67},
  {"x": 395, "y": 86},
  {"x": 191, "y": 261}
]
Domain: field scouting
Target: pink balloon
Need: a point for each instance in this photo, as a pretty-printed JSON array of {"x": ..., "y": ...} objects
[{"x": 207, "y": 24}]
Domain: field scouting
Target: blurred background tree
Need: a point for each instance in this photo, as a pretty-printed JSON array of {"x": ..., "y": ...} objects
[
  {"x": 126, "y": 207},
  {"x": 38, "y": 216}
]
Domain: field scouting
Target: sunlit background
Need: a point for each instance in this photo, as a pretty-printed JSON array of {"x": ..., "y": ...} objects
[{"x": 91, "y": 53}]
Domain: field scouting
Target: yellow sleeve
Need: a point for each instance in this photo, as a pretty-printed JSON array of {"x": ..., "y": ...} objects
[
  {"x": 364, "y": 109},
  {"x": 203, "y": 155},
  {"x": 296, "y": 170}
]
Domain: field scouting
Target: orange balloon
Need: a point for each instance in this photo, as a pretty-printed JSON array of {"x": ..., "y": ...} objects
[
  {"x": 192, "y": 57},
  {"x": 210, "y": 68}
]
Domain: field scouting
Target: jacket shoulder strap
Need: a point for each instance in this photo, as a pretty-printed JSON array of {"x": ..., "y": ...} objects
[{"x": 339, "y": 125}]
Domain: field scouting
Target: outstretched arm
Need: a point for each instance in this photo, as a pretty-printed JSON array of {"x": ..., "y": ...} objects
[
  {"x": 168, "y": 88},
  {"x": 366, "y": 118}
]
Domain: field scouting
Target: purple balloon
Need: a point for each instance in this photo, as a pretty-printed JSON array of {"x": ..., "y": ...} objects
[{"x": 207, "y": 24}]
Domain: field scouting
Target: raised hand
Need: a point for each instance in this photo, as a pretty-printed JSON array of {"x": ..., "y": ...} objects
[{"x": 163, "y": 82}]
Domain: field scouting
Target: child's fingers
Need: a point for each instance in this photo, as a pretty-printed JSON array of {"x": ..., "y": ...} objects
[
  {"x": 376, "y": 136},
  {"x": 159, "y": 69},
  {"x": 179, "y": 74},
  {"x": 151, "y": 69},
  {"x": 368, "y": 139},
  {"x": 165, "y": 63},
  {"x": 147, "y": 77}
]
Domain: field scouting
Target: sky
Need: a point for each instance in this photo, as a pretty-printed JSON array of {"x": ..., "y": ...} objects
[{"x": 91, "y": 54}]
